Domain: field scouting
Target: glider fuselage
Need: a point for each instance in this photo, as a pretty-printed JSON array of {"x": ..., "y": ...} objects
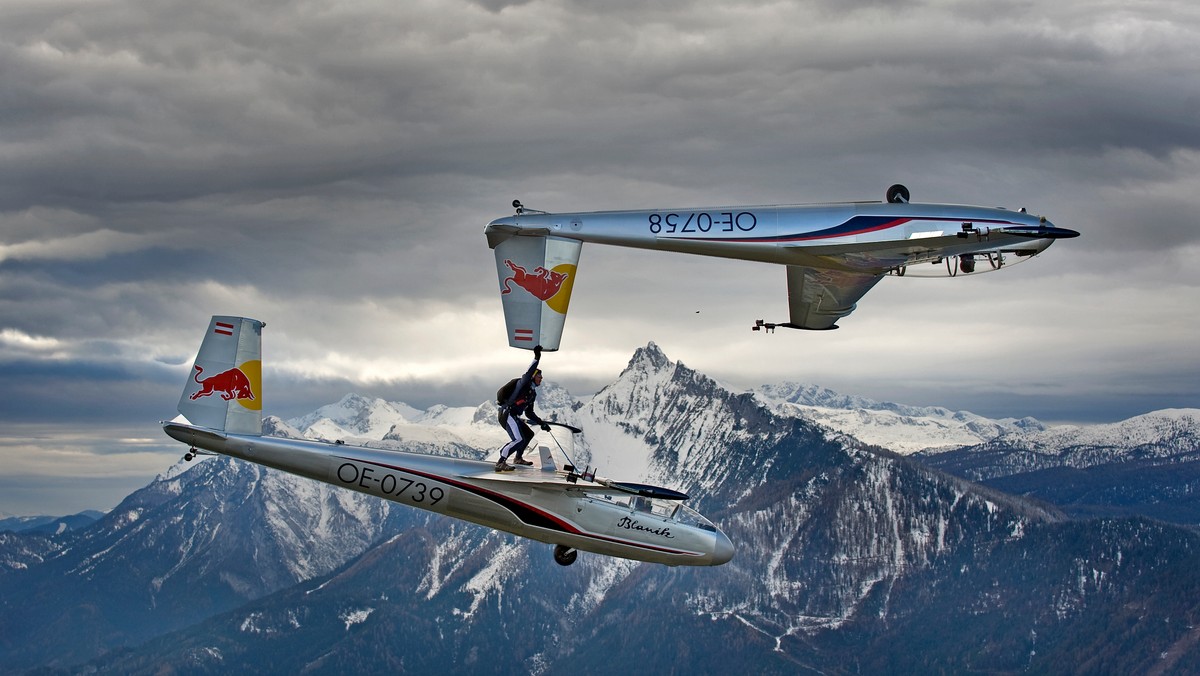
[
  {"x": 537, "y": 503},
  {"x": 883, "y": 235}
]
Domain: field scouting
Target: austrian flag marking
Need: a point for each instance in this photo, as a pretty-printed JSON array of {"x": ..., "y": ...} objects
[
  {"x": 224, "y": 329},
  {"x": 523, "y": 334}
]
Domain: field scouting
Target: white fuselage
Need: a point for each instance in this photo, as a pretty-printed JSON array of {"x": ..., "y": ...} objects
[
  {"x": 529, "y": 503},
  {"x": 873, "y": 237}
]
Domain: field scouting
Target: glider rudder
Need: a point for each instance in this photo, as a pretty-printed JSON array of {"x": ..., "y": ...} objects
[
  {"x": 537, "y": 274},
  {"x": 224, "y": 388}
]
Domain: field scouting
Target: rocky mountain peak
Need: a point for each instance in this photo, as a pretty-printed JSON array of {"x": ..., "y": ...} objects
[
  {"x": 355, "y": 416},
  {"x": 648, "y": 359}
]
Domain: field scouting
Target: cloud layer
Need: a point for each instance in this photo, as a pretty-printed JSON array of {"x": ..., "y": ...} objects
[{"x": 329, "y": 167}]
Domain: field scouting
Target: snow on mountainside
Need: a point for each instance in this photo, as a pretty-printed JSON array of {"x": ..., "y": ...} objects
[
  {"x": 20, "y": 551},
  {"x": 376, "y": 422},
  {"x": 614, "y": 420},
  {"x": 897, "y": 427},
  {"x": 677, "y": 425},
  {"x": 459, "y": 431},
  {"x": 1170, "y": 436},
  {"x": 797, "y": 497},
  {"x": 1152, "y": 435},
  {"x": 49, "y": 524},
  {"x": 472, "y": 431},
  {"x": 355, "y": 416},
  {"x": 1146, "y": 466},
  {"x": 204, "y": 537}
]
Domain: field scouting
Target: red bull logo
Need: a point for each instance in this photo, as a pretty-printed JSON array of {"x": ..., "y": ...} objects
[
  {"x": 552, "y": 286},
  {"x": 543, "y": 284},
  {"x": 234, "y": 384}
]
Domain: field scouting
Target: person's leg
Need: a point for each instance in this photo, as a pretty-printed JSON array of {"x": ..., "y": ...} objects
[
  {"x": 513, "y": 426},
  {"x": 518, "y": 450}
]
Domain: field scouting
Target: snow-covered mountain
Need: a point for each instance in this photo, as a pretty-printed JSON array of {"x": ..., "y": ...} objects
[
  {"x": 354, "y": 417},
  {"x": 897, "y": 427},
  {"x": 204, "y": 537},
  {"x": 1147, "y": 465},
  {"x": 847, "y": 560},
  {"x": 460, "y": 431},
  {"x": 1171, "y": 435},
  {"x": 49, "y": 524}
]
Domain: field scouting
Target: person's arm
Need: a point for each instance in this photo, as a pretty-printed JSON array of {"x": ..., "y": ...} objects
[
  {"x": 529, "y": 412},
  {"x": 537, "y": 357},
  {"x": 525, "y": 379},
  {"x": 532, "y": 416}
]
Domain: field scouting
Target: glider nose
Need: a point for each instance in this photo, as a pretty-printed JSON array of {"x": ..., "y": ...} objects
[
  {"x": 1052, "y": 231},
  {"x": 722, "y": 549},
  {"x": 1043, "y": 230}
]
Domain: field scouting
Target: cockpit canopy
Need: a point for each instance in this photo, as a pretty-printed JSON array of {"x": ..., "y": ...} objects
[
  {"x": 974, "y": 263},
  {"x": 672, "y": 510}
]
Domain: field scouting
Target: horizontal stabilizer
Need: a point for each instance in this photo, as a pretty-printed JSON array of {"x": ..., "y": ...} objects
[
  {"x": 646, "y": 491},
  {"x": 573, "y": 429},
  {"x": 818, "y": 298}
]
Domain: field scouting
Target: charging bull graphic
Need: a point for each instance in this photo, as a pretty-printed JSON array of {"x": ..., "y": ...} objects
[
  {"x": 231, "y": 384},
  {"x": 543, "y": 284}
]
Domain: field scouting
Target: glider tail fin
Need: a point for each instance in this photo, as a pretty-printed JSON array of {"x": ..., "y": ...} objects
[
  {"x": 537, "y": 274},
  {"x": 224, "y": 388}
]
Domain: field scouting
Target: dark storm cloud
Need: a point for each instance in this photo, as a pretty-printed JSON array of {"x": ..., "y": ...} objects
[
  {"x": 87, "y": 391},
  {"x": 329, "y": 167},
  {"x": 212, "y": 101}
]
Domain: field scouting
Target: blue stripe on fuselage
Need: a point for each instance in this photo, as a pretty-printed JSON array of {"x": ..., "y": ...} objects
[{"x": 857, "y": 225}]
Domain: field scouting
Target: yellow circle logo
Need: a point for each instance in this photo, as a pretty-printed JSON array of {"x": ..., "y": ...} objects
[
  {"x": 560, "y": 300},
  {"x": 253, "y": 372}
]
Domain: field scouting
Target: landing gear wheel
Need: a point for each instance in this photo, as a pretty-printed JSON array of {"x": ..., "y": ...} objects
[
  {"x": 897, "y": 194},
  {"x": 188, "y": 456},
  {"x": 564, "y": 555}
]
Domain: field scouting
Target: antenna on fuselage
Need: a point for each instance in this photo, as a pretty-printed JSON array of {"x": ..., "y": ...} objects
[
  {"x": 897, "y": 194},
  {"x": 521, "y": 208}
]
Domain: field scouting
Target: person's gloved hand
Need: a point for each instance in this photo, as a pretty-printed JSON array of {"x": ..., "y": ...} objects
[{"x": 545, "y": 427}]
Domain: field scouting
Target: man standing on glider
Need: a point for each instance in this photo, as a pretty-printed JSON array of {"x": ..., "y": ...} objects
[{"x": 516, "y": 399}]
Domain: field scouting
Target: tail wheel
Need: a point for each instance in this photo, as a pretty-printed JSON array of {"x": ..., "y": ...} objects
[{"x": 564, "y": 555}]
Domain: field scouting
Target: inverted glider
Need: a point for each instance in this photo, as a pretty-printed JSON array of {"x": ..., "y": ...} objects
[
  {"x": 834, "y": 253},
  {"x": 222, "y": 413}
]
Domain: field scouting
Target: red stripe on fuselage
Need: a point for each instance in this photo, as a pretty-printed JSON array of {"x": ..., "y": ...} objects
[
  {"x": 502, "y": 499},
  {"x": 833, "y": 232}
]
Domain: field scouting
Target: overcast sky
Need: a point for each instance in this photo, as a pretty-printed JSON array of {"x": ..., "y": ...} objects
[{"x": 328, "y": 168}]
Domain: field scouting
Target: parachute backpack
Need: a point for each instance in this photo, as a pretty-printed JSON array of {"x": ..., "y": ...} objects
[{"x": 506, "y": 391}]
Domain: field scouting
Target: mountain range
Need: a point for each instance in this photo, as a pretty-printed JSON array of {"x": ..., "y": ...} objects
[
  {"x": 1148, "y": 465},
  {"x": 850, "y": 557},
  {"x": 49, "y": 524}
]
